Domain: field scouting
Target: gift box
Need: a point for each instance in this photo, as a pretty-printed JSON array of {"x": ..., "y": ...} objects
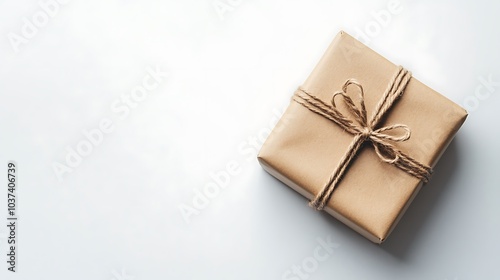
[{"x": 360, "y": 137}]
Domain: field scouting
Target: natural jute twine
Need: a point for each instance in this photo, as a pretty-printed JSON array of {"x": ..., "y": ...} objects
[{"x": 364, "y": 130}]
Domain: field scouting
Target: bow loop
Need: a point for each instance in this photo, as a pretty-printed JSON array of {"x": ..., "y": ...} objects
[
  {"x": 379, "y": 133},
  {"x": 385, "y": 151},
  {"x": 358, "y": 113}
]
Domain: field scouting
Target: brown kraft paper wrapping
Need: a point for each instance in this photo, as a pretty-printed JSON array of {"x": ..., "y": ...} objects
[{"x": 304, "y": 148}]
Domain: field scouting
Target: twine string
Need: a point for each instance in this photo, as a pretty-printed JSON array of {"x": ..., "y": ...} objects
[{"x": 365, "y": 130}]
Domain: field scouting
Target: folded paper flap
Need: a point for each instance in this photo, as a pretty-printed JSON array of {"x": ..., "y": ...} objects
[{"x": 305, "y": 148}]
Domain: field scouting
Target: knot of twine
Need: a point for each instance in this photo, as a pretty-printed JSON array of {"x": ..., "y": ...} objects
[{"x": 364, "y": 130}]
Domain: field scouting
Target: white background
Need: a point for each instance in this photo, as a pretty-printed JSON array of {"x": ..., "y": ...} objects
[{"x": 231, "y": 71}]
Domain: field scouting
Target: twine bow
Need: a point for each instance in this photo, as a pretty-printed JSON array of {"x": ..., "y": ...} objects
[{"x": 365, "y": 130}]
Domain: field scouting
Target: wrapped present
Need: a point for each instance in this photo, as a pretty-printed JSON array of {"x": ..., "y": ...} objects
[{"x": 360, "y": 137}]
